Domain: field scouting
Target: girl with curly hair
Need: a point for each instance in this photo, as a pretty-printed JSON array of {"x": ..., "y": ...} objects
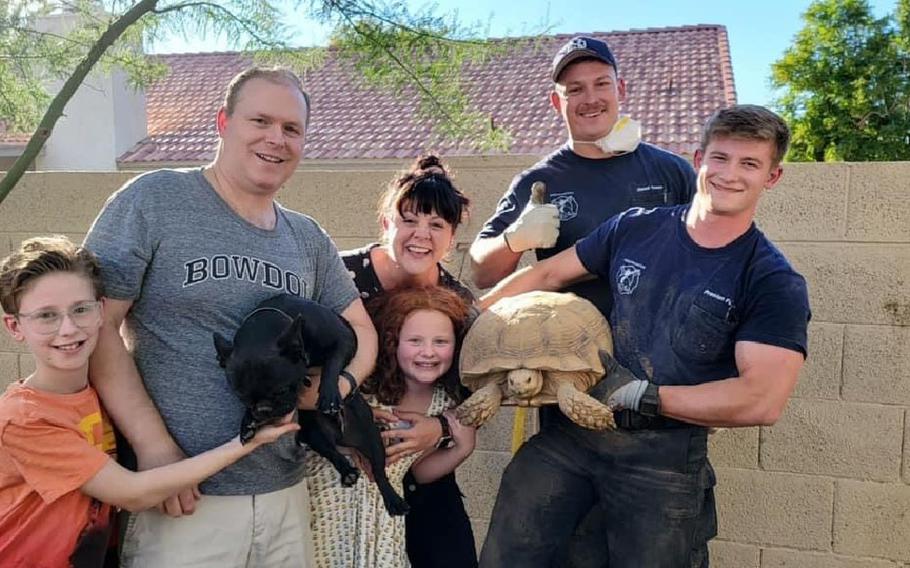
[{"x": 420, "y": 331}]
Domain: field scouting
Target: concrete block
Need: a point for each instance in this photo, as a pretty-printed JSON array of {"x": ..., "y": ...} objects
[
  {"x": 878, "y": 203},
  {"x": 480, "y": 529},
  {"x": 69, "y": 202},
  {"x": 821, "y": 375},
  {"x": 527, "y": 259},
  {"x": 861, "y": 441},
  {"x": 479, "y": 478},
  {"x": 809, "y": 204},
  {"x": 734, "y": 447},
  {"x": 871, "y": 519},
  {"x": 855, "y": 283},
  {"x": 348, "y": 243},
  {"x": 454, "y": 261},
  {"x": 343, "y": 202},
  {"x": 495, "y": 182},
  {"x": 781, "y": 558},
  {"x": 764, "y": 508},
  {"x": 724, "y": 554},
  {"x": 496, "y": 435},
  {"x": 319, "y": 194},
  {"x": 10, "y": 345},
  {"x": 9, "y": 369},
  {"x": 26, "y": 364},
  {"x": 906, "y": 460},
  {"x": 17, "y": 238},
  {"x": 877, "y": 364}
]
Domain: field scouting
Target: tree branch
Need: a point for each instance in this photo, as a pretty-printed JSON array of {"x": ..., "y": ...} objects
[
  {"x": 246, "y": 25},
  {"x": 55, "y": 110},
  {"x": 420, "y": 86},
  {"x": 412, "y": 30}
]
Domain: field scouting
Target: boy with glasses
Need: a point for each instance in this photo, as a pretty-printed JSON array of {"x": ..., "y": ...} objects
[{"x": 57, "y": 479}]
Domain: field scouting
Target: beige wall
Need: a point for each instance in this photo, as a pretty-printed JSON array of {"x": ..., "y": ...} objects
[{"x": 828, "y": 486}]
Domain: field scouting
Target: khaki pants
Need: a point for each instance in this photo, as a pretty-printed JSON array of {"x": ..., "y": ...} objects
[{"x": 245, "y": 531}]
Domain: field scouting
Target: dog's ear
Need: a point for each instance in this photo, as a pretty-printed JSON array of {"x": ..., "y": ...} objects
[
  {"x": 290, "y": 344},
  {"x": 223, "y": 347}
]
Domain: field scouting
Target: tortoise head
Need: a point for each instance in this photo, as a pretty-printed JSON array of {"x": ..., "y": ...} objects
[{"x": 523, "y": 383}]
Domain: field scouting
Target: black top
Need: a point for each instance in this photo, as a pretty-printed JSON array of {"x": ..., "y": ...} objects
[
  {"x": 679, "y": 309},
  {"x": 437, "y": 529},
  {"x": 589, "y": 191},
  {"x": 359, "y": 265}
]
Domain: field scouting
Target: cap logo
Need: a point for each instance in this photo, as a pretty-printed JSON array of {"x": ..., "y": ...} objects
[
  {"x": 578, "y": 43},
  {"x": 575, "y": 43}
]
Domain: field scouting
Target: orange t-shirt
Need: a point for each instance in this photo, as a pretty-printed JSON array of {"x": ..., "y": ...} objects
[{"x": 50, "y": 446}]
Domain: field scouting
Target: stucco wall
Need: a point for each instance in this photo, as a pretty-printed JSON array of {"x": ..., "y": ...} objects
[
  {"x": 87, "y": 137},
  {"x": 828, "y": 486}
]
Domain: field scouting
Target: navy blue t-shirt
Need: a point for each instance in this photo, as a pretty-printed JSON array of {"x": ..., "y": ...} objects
[
  {"x": 588, "y": 192},
  {"x": 679, "y": 308}
]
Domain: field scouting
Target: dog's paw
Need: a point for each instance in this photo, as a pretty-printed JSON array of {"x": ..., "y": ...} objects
[
  {"x": 246, "y": 435},
  {"x": 397, "y": 506},
  {"x": 329, "y": 404},
  {"x": 349, "y": 478}
]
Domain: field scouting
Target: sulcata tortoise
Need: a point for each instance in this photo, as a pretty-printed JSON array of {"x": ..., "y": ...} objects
[{"x": 533, "y": 349}]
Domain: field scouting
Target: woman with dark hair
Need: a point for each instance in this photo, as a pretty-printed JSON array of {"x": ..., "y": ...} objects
[{"x": 419, "y": 213}]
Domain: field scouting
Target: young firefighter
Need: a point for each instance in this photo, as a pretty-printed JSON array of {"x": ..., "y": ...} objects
[{"x": 709, "y": 320}]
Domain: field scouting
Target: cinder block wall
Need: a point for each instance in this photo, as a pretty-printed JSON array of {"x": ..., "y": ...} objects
[{"x": 827, "y": 487}]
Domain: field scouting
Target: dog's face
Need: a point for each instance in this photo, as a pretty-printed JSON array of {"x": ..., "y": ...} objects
[{"x": 266, "y": 366}]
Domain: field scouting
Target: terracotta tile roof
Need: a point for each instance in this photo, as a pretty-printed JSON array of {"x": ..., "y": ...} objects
[
  {"x": 13, "y": 140},
  {"x": 675, "y": 78}
]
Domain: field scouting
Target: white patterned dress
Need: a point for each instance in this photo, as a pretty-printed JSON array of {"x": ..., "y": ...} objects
[{"x": 350, "y": 526}]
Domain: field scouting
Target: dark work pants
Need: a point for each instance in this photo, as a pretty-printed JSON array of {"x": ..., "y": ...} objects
[{"x": 653, "y": 487}]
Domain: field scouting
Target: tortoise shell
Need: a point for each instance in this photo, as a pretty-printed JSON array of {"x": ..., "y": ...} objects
[{"x": 549, "y": 331}]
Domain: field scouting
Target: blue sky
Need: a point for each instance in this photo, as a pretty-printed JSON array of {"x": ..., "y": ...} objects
[{"x": 759, "y": 31}]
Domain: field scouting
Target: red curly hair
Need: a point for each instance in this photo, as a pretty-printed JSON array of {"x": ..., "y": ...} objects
[{"x": 389, "y": 311}]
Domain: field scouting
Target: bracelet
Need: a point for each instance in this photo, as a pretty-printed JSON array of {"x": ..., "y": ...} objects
[
  {"x": 445, "y": 441},
  {"x": 352, "y": 381}
]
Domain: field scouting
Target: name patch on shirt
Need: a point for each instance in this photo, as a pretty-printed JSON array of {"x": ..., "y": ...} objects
[{"x": 730, "y": 312}]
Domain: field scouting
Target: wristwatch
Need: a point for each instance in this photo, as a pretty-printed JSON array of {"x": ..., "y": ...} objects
[
  {"x": 446, "y": 441},
  {"x": 650, "y": 401}
]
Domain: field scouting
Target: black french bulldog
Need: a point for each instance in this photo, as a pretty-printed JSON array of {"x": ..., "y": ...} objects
[{"x": 266, "y": 365}]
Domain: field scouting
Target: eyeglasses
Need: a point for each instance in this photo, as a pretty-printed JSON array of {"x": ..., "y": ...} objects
[{"x": 47, "y": 322}]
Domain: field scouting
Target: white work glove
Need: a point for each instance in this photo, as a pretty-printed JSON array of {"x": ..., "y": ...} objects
[
  {"x": 538, "y": 224},
  {"x": 628, "y": 396}
]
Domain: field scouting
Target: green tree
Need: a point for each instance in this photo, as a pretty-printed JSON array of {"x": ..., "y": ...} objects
[
  {"x": 390, "y": 46},
  {"x": 846, "y": 82}
]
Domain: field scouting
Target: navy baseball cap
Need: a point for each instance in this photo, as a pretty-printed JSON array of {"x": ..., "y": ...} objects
[{"x": 579, "y": 47}]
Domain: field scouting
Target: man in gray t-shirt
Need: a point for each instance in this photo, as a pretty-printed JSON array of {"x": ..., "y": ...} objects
[{"x": 186, "y": 253}]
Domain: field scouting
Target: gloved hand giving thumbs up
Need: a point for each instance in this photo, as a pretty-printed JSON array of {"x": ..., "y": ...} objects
[{"x": 538, "y": 224}]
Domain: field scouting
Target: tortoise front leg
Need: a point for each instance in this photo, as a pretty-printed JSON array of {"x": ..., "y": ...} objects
[
  {"x": 581, "y": 408},
  {"x": 480, "y": 406}
]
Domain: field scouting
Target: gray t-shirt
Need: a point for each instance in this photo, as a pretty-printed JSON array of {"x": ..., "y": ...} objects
[{"x": 191, "y": 267}]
